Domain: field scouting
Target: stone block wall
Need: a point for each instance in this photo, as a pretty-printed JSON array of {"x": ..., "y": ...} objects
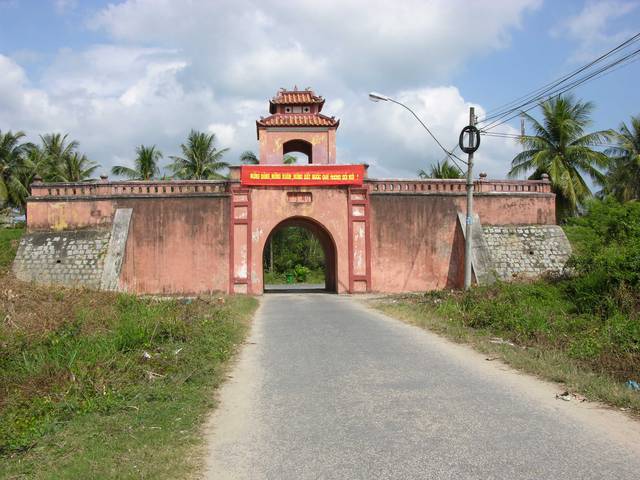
[
  {"x": 71, "y": 258},
  {"x": 527, "y": 250}
]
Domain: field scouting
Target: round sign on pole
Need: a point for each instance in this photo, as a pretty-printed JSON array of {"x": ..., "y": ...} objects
[{"x": 471, "y": 131}]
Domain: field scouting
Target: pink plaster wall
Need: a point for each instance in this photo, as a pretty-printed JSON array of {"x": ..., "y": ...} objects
[
  {"x": 271, "y": 142},
  {"x": 177, "y": 245},
  {"x": 328, "y": 208},
  {"x": 69, "y": 215},
  {"x": 416, "y": 244}
]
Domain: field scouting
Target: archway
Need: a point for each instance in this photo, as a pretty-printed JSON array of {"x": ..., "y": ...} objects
[
  {"x": 300, "y": 146},
  {"x": 287, "y": 273}
]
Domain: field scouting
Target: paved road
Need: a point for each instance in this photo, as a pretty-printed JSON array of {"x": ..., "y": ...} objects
[{"x": 330, "y": 390}]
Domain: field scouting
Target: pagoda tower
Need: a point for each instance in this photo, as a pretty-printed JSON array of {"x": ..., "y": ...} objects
[{"x": 296, "y": 125}]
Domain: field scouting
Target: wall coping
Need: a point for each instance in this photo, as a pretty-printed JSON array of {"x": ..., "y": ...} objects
[{"x": 187, "y": 188}]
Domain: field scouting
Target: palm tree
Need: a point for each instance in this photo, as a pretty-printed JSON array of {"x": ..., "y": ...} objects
[
  {"x": 289, "y": 160},
  {"x": 11, "y": 158},
  {"x": 58, "y": 150},
  {"x": 77, "y": 168},
  {"x": 201, "y": 159},
  {"x": 249, "y": 158},
  {"x": 562, "y": 150},
  {"x": 441, "y": 170},
  {"x": 623, "y": 177},
  {"x": 33, "y": 161},
  {"x": 146, "y": 164}
]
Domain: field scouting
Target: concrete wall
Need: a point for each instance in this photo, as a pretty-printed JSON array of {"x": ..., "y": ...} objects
[
  {"x": 176, "y": 245},
  {"x": 326, "y": 207},
  {"x": 192, "y": 237},
  {"x": 417, "y": 245},
  {"x": 271, "y": 141}
]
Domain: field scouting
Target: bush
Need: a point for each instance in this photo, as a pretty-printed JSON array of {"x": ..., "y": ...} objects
[{"x": 607, "y": 259}]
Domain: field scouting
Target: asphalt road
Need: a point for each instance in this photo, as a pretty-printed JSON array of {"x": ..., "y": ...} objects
[{"x": 327, "y": 389}]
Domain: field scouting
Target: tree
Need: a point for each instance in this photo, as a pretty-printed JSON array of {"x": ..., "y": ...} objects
[
  {"x": 561, "y": 149},
  {"x": 34, "y": 161},
  {"x": 12, "y": 153},
  {"x": 249, "y": 158},
  {"x": 146, "y": 164},
  {"x": 201, "y": 159},
  {"x": 623, "y": 176},
  {"x": 289, "y": 160},
  {"x": 441, "y": 170},
  {"x": 58, "y": 149},
  {"x": 77, "y": 168}
]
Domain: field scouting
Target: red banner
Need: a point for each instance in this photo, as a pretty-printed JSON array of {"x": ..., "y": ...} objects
[{"x": 295, "y": 175}]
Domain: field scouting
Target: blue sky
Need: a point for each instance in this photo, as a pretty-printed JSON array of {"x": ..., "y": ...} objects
[{"x": 140, "y": 71}]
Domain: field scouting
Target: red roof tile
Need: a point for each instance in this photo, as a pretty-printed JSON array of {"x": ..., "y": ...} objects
[
  {"x": 295, "y": 97},
  {"x": 298, "y": 120}
]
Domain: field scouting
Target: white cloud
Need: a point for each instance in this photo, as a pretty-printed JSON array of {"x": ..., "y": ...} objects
[
  {"x": 592, "y": 28},
  {"x": 167, "y": 67}
]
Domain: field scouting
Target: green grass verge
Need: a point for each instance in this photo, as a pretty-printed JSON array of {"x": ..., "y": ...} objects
[
  {"x": 102, "y": 385},
  {"x": 9, "y": 238},
  {"x": 589, "y": 355}
]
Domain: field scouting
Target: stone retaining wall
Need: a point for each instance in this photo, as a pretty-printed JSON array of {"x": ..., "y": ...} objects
[
  {"x": 527, "y": 250},
  {"x": 72, "y": 258}
]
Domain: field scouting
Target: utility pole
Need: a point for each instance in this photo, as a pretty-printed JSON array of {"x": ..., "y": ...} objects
[{"x": 468, "y": 244}]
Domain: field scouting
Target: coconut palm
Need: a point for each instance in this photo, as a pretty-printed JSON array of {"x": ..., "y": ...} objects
[
  {"x": 77, "y": 168},
  {"x": 11, "y": 158},
  {"x": 623, "y": 176},
  {"x": 33, "y": 161},
  {"x": 441, "y": 170},
  {"x": 58, "y": 150},
  {"x": 146, "y": 164},
  {"x": 249, "y": 158},
  {"x": 201, "y": 159},
  {"x": 561, "y": 149}
]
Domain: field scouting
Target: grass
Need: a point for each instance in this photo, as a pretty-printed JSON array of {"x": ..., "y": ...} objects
[
  {"x": 103, "y": 385},
  {"x": 9, "y": 238},
  {"x": 547, "y": 337}
]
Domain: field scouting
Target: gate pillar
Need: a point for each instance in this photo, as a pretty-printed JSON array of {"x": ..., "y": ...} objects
[
  {"x": 359, "y": 240},
  {"x": 240, "y": 241}
]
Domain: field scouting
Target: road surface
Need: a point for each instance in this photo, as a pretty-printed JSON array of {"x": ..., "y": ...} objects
[{"x": 328, "y": 389}]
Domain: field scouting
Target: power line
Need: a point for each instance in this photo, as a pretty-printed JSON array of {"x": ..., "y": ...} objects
[
  {"x": 560, "y": 85},
  {"x": 605, "y": 70}
]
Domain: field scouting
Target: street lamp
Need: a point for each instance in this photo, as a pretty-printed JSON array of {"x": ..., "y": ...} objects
[{"x": 377, "y": 97}]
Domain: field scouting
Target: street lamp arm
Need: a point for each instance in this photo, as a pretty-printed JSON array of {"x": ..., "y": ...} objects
[{"x": 449, "y": 154}]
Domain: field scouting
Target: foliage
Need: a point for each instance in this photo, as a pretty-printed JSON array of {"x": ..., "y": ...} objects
[
  {"x": 249, "y": 158},
  {"x": 102, "y": 385},
  {"x": 11, "y": 165},
  {"x": 561, "y": 149},
  {"x": 441, "y": 170},
  {"x": 201, "y": 159},
  {"x": 146, "y": 164},
  {"x": 9, "y": 238},
  {"x": 592, "y": 314},
  {"x": 294, "y": 246},
  {"x": 55, "y": 160},
  {"x": 607, "y": 265},
  {"x": 623, "y": 177}
]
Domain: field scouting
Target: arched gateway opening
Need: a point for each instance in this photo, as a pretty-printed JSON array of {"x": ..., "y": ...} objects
[{"x": 284, "y": 270}]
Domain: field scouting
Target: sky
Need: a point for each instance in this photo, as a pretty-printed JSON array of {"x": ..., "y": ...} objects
[{"x": 114, "y": 75}]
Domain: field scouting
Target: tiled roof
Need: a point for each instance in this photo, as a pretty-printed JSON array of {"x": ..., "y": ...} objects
[
  {"x": 295, "y": 97},
  {"x": 298, "y": 120}
]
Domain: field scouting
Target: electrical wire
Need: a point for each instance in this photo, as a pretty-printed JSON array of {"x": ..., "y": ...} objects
[
  {"x": 560, "y": 86},
  {"x": 531, "y": 96},
  {"x": 605, "y": 70}
]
